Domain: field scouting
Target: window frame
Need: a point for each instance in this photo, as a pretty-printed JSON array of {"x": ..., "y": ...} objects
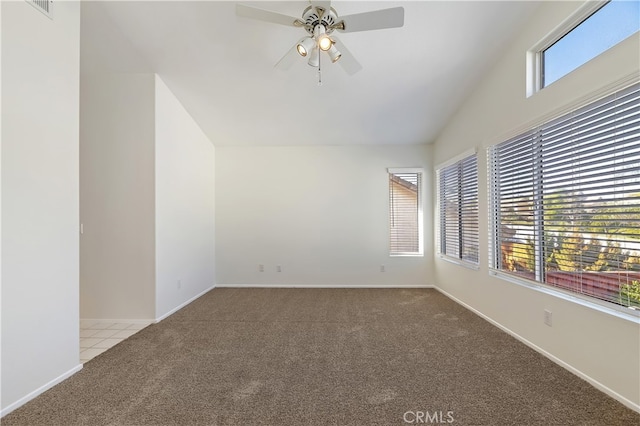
[
  {"x": 419, "y": 211},
  {"x": 530, "y": 131},
  {"x": 456, "y": 165}
]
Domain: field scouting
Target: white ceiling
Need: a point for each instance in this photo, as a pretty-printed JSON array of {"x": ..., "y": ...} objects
[{"x": 221, "y": 67}]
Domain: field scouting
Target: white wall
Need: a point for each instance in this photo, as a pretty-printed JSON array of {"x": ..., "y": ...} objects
[
  {"x": 40, "y": 67},
  {"x": 117, "y": 202},
  {"x": 601, "y": 347},
  {"x": 147, "y": 200},
  {"x": 1, "y": 133},
  {"x": 185, "y": 205},
  {"x": 320, "y": 212}
]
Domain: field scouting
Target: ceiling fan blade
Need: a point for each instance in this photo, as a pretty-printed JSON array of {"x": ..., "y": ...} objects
[
  {"x": 347, "y": 60},
  {"x": 289, "y": 58},
  {"x": 376, "y": 20},
  {"x": 267, "y": 15}
]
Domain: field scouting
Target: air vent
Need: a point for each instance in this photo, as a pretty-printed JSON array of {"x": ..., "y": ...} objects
[{"x": 43, "y": 6}]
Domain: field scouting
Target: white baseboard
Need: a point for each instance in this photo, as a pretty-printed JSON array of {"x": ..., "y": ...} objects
[
  {"x": 320, "y": 286},
  {"x": 627, "y": 402},
  {"x": 182, "y": 305},
  {"x": 124, "y": 320},
  {"x": 41, "y": 389}
]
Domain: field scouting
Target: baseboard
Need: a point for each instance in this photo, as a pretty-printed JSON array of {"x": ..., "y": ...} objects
[
  {"x": 39, "y": 391},
  {"x": 182, "y": 305},
  {"x": 626, "y": 402},
  {"x": 321, "y": 286},
  {"x": 125, "y": 320}
]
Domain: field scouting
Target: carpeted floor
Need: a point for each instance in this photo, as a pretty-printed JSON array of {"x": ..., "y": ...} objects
[{"x": 322, "y": 357}]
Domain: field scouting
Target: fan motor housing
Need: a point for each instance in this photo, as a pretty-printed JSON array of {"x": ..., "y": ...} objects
[{"x": 312, "y": 19}]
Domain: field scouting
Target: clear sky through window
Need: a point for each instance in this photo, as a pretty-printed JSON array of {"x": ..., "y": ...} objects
[{"x": 607, "y": 27}]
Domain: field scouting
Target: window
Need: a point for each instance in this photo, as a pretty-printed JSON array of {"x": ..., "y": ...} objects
[
  {"x": 405, "y": 212},
  {"x": 593, "y": 29},
  {"x": 565, "y": 201},
  {"x": 458, "y": 200}
]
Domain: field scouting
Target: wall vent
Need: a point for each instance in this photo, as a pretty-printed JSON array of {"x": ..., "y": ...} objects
[{"x": 43, "y": 6}]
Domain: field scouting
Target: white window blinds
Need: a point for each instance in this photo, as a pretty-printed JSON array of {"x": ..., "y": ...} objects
[
  {"x": 566, "y": 201},
  {"x": 405, "y": 212},
  {"x": 458, "y": 199}
]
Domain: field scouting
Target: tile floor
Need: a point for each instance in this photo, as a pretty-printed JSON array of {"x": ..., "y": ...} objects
[{"x": 98, "y": 336}]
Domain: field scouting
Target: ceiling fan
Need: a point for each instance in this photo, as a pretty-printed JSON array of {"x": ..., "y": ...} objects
[{"x": 320, "y": 20}]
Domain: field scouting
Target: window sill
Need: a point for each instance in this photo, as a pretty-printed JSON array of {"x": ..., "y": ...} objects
[
  {"x": 456, "y": 261},
  {"x": 622, "y": 312}
]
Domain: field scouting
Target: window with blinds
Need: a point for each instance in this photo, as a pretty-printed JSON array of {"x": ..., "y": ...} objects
[
  {"x": 405, "y": 212},
  {"x": 565, "y": 201},
  {"x": 458, "y": 201}
]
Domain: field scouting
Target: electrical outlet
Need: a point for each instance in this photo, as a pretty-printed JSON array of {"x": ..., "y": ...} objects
[
  {"x": 278, "y": 268},
  {"x": 383, "y": 268},
  {"x": 260, "y": 268},
  {"x": 548, "y": 317},
  {"x": 179, "y": 284}
]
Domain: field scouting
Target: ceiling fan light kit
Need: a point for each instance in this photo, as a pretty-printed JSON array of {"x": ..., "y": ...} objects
[
  {"x": 305, "y": 46},
  {"x": 320, "y": 20},
  {"x": 314, "y": 58},
  {"x": 324, "y": 42},
  {"x": 334, "y": 53}
]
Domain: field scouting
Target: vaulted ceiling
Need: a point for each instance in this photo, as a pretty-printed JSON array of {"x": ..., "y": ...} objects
[{"x": 221, "y": 67}]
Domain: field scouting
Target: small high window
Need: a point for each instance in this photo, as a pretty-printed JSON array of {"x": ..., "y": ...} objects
[{"x": 595, "y": 28}]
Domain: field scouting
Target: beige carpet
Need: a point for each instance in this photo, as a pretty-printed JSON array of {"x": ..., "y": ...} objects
[{"x": 322, "y": 357}]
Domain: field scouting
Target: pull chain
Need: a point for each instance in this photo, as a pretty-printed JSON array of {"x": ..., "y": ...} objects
[{"x": 319, "y": 69}]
